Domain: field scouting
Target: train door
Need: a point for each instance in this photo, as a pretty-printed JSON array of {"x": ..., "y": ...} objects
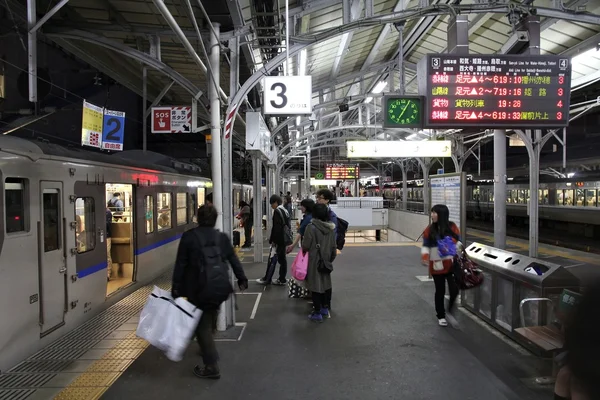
[
  {"x": 121, "y": 246},
  {"x": 52, "y": 257},
  {"x": 90, "y": 229}
]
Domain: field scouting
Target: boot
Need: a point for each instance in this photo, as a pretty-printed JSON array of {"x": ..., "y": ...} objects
[{"x": 208, "y": 372}]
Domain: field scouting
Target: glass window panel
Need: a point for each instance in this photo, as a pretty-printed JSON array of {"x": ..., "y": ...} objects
[
  {"x": 485, "y": 295},
  {"x": 579, "y": 197},
  {"x": 568, "y": 197},
  {"x": 14, "y": 200},
  {"x": 590, "y": 198},
  {"x": 51, "y": 207},
  {"x": 181, "y": 208},
  {"x": 149, "y": 213},
  {"x": 505, "y": 303},
  {"x": 163, "y": 219},
  {"x": 85, "y": 216}
]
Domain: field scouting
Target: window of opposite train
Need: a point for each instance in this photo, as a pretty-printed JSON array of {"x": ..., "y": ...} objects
[{"x": 14, "y": 205}]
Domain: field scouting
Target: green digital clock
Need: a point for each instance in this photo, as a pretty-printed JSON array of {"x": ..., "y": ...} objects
[{"x": 403, "y": 111}]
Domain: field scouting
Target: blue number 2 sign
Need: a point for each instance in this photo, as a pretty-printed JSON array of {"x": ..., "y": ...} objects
[{"x": 113, "y": 130}]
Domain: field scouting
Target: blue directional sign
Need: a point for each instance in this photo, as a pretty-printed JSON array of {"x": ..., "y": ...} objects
[
  {"x": 440, "y": 171},
  {"x": 113, "y": 130}
]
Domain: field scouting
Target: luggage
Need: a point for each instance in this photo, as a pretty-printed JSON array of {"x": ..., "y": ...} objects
[
  {"x": 168, "y": 324},
  {"x": 236, "y": 239},
  {"x": 466, "y": 274},
  {"x": 300, "y": 266},
  {"x": 296, "y": 291},
  {"x": 271, "y": 264}
]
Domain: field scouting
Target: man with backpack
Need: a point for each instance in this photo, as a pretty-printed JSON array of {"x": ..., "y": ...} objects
[
  {"x": 281, "y": 237},
  {"x": 202, "y": 276}
]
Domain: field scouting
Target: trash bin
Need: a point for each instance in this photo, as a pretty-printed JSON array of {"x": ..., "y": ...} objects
[{"x": 509, "y": 278}]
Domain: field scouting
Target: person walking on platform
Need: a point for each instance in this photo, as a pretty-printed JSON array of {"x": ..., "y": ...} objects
[
  {"x": 281, "y": 219},
  {"x": 108, "y": 243},
  {"x": 441, "y": 241},
  {"x": 319, "y": 242},
  {"x": 202, "y": 278}
]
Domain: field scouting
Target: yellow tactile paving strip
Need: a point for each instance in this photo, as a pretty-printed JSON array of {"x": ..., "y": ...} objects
[
  {"x": 102, "y": 373},
  {"x": 543, "y": 250}
]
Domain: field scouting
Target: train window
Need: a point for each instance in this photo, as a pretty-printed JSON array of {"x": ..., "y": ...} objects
[
  {"x": 579, "y": 197},
  {"x": 51, "y": 212},
  {"x": 181, "y": 208},
  {"x": 568, "y": 197},
  {"x": 192, "y": 210},
  {"x": 163, "y": 219},
  {"x": 149, "y": 213},
  {"x": 14, "y": 198},
  {"x": 85, "y": 232},
  {"x": 590, "y": 198},
  {"x": 543, "y": 197}
]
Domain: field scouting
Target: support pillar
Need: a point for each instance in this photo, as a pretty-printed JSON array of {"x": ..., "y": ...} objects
[
  {"x": 500, "y": 189},
  {"x": 534, "y": 186},
  {"x": 258, "y": 236},
  {"x": 145, "y": 103},
  {"x": 426, "y": 197},
  {"x": 32, "y": 50},
  {"x": 269, "y": 184},
  {"x": 458, "y": 34},
  {"x": 309, "y": 173},
  {"x": 404, "y": 189}
]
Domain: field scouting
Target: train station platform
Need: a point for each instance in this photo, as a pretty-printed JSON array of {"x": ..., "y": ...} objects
[{"x": 383, "y": 341}]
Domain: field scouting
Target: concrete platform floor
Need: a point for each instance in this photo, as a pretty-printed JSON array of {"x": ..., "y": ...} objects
[{"x": 383, "y": 342}]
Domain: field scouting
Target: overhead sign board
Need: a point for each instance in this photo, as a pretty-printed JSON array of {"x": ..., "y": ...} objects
[
  {"x": 288, "y": 95},
  {"x": 398, "y": 149},
  {"x": 171, "y": 119},
  {"x": 495, "y": 91},
  {"x": 339, "y": 172},
  {"x": 258, "y": 136},
  {"x": 113, "y": 130},
  {"x": 91, "y": 125}
]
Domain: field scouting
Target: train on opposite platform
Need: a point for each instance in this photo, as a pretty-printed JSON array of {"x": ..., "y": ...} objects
[
  {"x": 569, "y": 205},
  {"x": 57, "y": 265}
]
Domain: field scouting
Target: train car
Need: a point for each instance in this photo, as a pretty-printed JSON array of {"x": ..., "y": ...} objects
[{"x": 57, "y": 265}]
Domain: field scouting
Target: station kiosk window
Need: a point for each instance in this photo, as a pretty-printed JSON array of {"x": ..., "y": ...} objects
[{"x": 120, "y": 245}]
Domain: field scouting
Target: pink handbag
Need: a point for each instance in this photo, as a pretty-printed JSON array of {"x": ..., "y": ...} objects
[{"x": 300, "y": 266}]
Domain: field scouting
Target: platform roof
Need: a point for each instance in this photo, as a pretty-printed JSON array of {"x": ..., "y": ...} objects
[{"x": 114, "y": 36}]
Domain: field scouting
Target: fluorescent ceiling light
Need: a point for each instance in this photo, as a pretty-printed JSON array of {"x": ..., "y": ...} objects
[
  {"x": 368, "y": 100},
  {"x": 398, "y": 149},
  {"x": 302, "y": 63},
  {"x": 298, "y": 119},
  {"x": 411, "y": 136},
  {"x": 380, "y": 86},
  {"x": 579, "y": 58}
]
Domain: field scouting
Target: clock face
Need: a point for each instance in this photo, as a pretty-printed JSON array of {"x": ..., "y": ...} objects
[{"x": 405, "y": 112}]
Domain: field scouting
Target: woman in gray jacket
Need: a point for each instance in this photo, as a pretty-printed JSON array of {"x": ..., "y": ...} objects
[{"x": 319, "y": 242}]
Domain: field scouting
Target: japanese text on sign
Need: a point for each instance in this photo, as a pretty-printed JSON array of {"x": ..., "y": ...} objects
[
  {"x": 496, "y": 91},
  {"x": 341, "y": 171}
]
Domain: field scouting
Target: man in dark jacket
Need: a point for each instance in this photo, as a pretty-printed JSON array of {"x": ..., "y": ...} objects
[
  {"x": 189, "y": 280},
  {"x": 281, "y": 218}
]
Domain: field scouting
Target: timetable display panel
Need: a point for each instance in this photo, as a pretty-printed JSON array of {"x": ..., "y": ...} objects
[
  {"x": 495, "y": 91},
  {"x": 342, "y": 171}
]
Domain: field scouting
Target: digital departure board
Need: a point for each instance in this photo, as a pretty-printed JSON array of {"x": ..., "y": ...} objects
[
  {"x": 340, "y": 172},
  {"x": 495, "y": 91}
]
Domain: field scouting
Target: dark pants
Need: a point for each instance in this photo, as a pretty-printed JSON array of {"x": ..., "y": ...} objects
[
  {"x": 321, "y": 300},
  {"x": 440, "y": 292},
  {"x": 204, "y": 336},
  {"x": 247, "y": 233},
  {"x": 281, "y": 258}
]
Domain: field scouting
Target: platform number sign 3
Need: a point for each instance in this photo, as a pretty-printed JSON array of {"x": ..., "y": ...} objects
[
  {"x": 113, "y": 130},
  {"x": 288, "y": 95}
]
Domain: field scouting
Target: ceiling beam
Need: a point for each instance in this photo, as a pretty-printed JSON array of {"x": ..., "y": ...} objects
[{"x": 238, "y": 22}]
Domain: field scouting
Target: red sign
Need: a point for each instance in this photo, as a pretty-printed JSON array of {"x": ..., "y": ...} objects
[{"x": 171, "y": 119}]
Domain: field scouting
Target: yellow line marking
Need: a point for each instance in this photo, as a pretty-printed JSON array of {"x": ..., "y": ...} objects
[{"x": 542, "y": 250}]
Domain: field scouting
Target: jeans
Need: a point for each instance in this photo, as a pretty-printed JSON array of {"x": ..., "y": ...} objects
[
  {"x": 281, "y": 258},
  {"x": 204, "y": 336},
  {"x": 247, "y": 234},
  {"x": 440, "y": 292}
]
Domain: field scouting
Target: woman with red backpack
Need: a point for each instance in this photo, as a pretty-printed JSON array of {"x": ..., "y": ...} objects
[{"x": 441, "y": 242}]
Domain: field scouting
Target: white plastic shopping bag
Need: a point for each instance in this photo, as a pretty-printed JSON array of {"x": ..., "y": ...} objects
[{"x": 168, "y": 324}]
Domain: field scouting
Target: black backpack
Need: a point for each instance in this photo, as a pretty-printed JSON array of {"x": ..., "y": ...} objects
[
  {"x": 288, "y": 238},
  {"x": 215, "y": 284},
  {"x": 342, "y": 227}
]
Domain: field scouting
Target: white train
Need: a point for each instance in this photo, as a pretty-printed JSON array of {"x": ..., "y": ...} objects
[{"x": 54, "y": 253}]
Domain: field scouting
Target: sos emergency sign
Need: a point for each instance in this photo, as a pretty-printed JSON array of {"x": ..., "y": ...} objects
[{"x": 171, "y": 119}]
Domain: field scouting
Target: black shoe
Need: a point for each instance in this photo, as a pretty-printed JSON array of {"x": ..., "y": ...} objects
[
  {"x": 280, "y": 282},
  {"x": 207, "y": 372}
]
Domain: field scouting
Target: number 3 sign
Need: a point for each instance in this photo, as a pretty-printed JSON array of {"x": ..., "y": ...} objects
[
  {"x": 288, "y": 95},
  {"x": 113, "y": 130}
]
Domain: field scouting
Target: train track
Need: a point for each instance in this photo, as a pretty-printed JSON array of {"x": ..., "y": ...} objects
[{"x": 582, "y": 244}]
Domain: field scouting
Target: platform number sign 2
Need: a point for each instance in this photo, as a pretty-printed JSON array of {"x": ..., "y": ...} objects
[
  {"x": 288, "y": 95},
  {"x": 113, "y": 130}
]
